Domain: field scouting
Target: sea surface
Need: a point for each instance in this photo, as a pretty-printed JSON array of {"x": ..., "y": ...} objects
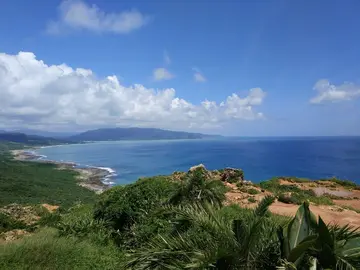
[{"x": 260, "y": 158}]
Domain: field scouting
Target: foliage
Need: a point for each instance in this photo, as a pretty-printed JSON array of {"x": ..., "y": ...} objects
[
  {"x": 252, "y": 200},
  {"x": 45, "y": 250},
  {"x": 123, "y": 206},
  {"x": 205, "y": 238},
  {"x": 249, "y": 190},
  {"x": 310, "y": 242},
  {"x": 344, "y": 183},
  {"x": 8, "y": 223},
  {"x": 79, "y": 222},
  {"x": 34, "y": 183},
  {"x": 198, "y": 188}
]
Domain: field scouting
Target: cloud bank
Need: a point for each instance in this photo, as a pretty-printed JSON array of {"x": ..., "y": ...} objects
[
  {"x": 77, "y": 15},
  {"x": 34, "y": 94},
  {"x": 327, "y": 92}
]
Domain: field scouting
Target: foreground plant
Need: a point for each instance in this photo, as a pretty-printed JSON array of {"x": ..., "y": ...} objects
[
  {"x": 311, "y": 244},
  {"x": 204, "y": 239}
]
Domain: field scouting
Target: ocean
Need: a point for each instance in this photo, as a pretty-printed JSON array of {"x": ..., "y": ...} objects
[{"x": 260, "y": 158}]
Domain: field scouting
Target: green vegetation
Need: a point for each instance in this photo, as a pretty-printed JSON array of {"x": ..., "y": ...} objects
[
  {"x": 8, "y": 223},
  {"x": 252, "y": 200},
  {"x": 345, "y": 183},
  {"x": 34, "y": 183},
  {"x": 292, "y": 194},
  {"x": 246, "y": 189},
  {"x": 304, "y": 196},
  {"x": 45, "y": 250},
  {"x": 160, "y": 223}
]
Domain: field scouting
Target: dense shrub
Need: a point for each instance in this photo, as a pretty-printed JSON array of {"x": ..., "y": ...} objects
[
  {"x": 79, "y": 222},
  {"x": 122, "y": 206}
]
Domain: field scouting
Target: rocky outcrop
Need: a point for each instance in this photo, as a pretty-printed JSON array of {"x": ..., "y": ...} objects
[
  {"x": 200, "y": 166},
  {"x": 227, "y": 175}
]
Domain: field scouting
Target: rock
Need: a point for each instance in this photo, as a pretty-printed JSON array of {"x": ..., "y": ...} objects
[
  {"x": 194, "y": 168},
  {"x": 50, "y": 208},
  {"x": 13, "y": 235}
]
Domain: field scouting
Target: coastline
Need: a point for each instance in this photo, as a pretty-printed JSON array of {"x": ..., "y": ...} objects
[{"x": 92, "y": 178}]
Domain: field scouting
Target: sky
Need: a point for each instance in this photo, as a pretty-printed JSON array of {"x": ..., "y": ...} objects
[{"x": 244, "y": 68}]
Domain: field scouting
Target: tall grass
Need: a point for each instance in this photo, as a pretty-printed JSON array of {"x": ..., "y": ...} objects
[{"x": 45, "y": 250}]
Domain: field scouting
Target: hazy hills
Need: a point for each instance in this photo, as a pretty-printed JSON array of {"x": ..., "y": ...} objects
[{"x": 104, "y": 134}]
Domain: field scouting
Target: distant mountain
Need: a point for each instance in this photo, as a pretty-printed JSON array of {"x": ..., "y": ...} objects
[
  {"x": 114, "y": 134},
  {"x": 30, "y": 139},
  {"x": 52, "y": 134}
]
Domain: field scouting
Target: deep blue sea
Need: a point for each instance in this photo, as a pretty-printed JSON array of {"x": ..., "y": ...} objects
[{"x": 260, "y": 158}]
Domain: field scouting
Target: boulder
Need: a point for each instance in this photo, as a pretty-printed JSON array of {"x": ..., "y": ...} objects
[{"x": 194, "y": 168}]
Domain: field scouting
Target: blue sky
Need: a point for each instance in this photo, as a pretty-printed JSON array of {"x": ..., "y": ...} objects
[{"x": 301, "y": 60}]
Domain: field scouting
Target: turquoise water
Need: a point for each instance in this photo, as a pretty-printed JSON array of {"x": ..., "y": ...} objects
[{"x": 260, "y": 158}]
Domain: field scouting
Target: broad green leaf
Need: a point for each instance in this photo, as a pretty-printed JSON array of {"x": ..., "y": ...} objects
[
  {"x": 301, "y": 248},
  {"x": 351, "y": 248},
  {"x": 300, "y": 227}
]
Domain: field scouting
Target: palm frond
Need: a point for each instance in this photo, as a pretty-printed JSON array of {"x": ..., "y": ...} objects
[{"x": 263, "y": 206}]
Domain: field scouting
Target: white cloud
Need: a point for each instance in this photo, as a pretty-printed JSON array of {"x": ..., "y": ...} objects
[
  {"x": 167, "y": 59},
  {"x": 161, "y": 74},
  {"x": 198, "y": 76},
  {"x": 34, "y": 94},
  {"x": 331, "y": 93},
  {"x": 77, "y": 15}
]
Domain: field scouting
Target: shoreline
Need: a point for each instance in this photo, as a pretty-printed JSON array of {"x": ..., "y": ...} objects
[{"x": 92, "y": 178}]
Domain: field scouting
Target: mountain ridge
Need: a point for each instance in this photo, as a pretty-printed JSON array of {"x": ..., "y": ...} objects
[
  {"x": 135, "y": 133},
  {"x": 101, "y": 134}
]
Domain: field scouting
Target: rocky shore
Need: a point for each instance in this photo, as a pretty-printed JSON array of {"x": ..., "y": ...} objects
[{"x": 89, "y": 177}]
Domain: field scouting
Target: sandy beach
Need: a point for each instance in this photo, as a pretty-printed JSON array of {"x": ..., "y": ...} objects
[{"x": 90, "y": 177}]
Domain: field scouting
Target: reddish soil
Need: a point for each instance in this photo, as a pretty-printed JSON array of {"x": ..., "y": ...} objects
[{"x": 335, "y": 214}]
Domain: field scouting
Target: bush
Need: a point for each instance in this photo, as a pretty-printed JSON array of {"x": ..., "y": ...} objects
[
  {"x": 7, "y": 223},
  {"x": 45, "y": 250},
  {"x": 253, "y": 191},
  {"x": 305, "y": 195},
  {"x": 252, "y": 200},
  {"x": 79, "y": 222},
  {"x": 344, "y": 183},
  {"x": 122, "y": 206}
]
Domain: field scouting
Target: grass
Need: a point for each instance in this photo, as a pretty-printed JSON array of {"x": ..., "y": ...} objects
[
  {"x": 45, "y": 250},
  {"x": 34, "y": 183},
  {"x": 344, "y": 183}
]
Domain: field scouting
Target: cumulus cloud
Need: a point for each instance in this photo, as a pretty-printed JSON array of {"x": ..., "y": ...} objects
[
  {"x": 77, "y": 15},
  {"x": 35, "y": 94},
  {"x": 327, "y": 92},
  {"x": 198, "y": 76},
  {"x": 161, "y": 74}
]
